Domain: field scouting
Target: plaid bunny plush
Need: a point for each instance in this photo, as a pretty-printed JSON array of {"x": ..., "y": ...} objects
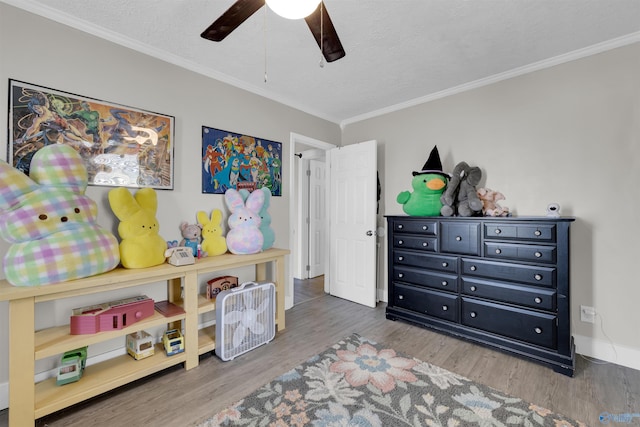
[{"x": 50, "y": 223}]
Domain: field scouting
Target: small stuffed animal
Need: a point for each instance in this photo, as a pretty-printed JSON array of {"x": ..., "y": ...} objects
[
  {"x": 141, "y": 245},
  {"x": 460, "y": 196},
  {"x": 213, "y": 243},
  {"x": 244, "y": 236},
  {"x": 50, "y": 223},
  {"x": 191, "y": 236},
  {"x": 428, "y": 185},
  {"x": 490, "y": 200},
  {"x": 268, "y": 234}
]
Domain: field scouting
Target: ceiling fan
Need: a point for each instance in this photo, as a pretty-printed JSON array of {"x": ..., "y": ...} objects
[{"x": 318, "y": 22}]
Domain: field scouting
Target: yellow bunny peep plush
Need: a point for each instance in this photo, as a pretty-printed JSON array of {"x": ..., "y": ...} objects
[
  {"x": 141, "y": 246},
  {"x": 213, "y": 243}
]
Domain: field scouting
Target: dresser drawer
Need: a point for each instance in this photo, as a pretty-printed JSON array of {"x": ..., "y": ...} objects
[
  {"x": 422, "y": 226},
  {"x": 415, "y": 242},
  {"x": 436, "y": 304},
  {"x": 432, "y": 262},
  {"x": 431, "y": 279},
  {"x": 530, "y": 326},
  {"x": 531, "y": 274},
  {"x": 529, "y": 253},
  {"x": 529, "y": 232},
  {"x": 540, "y": 298},
  {"x": 460, "y": 238}
]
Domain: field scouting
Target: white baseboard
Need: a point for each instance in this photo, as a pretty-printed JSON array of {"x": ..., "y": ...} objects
[
  {"x": 4, "y": 396},
  {"x": 607, "y": 351}
]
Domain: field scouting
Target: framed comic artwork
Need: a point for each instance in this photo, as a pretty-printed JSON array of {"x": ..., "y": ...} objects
[
  {"x": 233, "y": 160},
  {"x": 121, "y": 146}
]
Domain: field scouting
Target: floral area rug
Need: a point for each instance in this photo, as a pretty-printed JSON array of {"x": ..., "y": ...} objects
[{"x": 358, "y": 383}]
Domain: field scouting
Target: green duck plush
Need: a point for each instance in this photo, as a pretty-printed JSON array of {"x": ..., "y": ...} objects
[{"x": 428, "y": 186}]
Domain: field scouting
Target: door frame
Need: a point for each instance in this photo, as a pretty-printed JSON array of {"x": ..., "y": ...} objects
[{"x": 297, "y": 143}]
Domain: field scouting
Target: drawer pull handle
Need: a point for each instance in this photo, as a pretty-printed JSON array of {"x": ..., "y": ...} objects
[
  {"x": 473, "y": 288},
  {"x": 538, "y": 330},
  {"x": 425, "y": 244},
  {"x": 444, "y": 283},
  {"x": 400, "y": 242},
  {"x": 445, "y": 308},
  {"x": 538, "y": 300},
  {"x": 473, "y": 314},
  {"x": 473, "y": 268},
  {"x": 537, "y": 233},
  {"x": 458, "y": 238},
  {"x": 538, "y": 277},
  {"x": 445, "y": 264},
  {"x": 400, "y": 258},
  {"x": 400, "y": 275},
  {"x": 400, "y": 296},
  {"x": 424, "y": 227},
  {"x": 538, "y": 254},
  {"x": 498, "y": 251},
  {"x": 498, "y": 231},
  {"x": 400, "y": 226}
]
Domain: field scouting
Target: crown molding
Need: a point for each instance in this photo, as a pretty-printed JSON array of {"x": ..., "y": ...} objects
[
  {"x": 114, "y": 37},
  {"x": 536, "y": 66},
  {"x": 90, "y": 28}
]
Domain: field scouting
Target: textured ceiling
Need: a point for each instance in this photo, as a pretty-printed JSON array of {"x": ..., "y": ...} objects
[{"x": 399, "y": 52}]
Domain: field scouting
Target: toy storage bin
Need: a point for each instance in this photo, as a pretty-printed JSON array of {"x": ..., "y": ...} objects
[{"x": 245, "y": 318}]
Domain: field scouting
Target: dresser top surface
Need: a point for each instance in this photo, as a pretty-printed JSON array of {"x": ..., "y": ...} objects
[{"x": 487, "y": 218}]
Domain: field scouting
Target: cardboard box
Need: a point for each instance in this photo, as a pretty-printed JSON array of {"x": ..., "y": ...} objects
[{"x": 219, "y": 284}]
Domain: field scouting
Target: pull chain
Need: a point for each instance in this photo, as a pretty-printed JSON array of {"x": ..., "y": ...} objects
[{"x": 265, "y": 43}]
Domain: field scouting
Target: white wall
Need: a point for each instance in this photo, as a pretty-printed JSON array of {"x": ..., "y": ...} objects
[
  {"x": 568, "y": 134},
  {"x": 40, "y": 51}
]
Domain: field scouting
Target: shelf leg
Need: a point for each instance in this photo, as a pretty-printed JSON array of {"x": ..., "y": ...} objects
[
  {"x": 280, "y": 291},
  {"x": 22, "y": 362},
  {"x": 191, "y": 321}
]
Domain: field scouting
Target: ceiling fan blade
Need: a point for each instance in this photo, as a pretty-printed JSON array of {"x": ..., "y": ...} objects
[
  {"x": 231, "y": 19},
  {"x": 325, "y": 34}
]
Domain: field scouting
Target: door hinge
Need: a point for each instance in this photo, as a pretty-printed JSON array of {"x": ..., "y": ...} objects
[{"x": 308, "y": 268}]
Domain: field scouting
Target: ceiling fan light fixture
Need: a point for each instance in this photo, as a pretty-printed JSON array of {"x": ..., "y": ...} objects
[{"x": 293, "y": 9}]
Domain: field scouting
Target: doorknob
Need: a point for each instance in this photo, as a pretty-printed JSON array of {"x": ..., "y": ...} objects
[{"x": 370, "y": 233}]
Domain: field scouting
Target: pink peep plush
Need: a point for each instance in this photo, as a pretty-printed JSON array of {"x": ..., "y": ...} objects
[{"x": 244, "y": 236}]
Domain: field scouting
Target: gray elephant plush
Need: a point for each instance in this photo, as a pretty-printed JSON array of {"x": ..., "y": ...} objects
[{"x": 461, "y": 197}]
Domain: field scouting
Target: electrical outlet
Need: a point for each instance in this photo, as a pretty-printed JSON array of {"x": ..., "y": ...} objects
[{"x": 587, "y": 314}]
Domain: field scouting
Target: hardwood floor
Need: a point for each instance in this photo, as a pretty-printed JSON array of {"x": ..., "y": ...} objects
[
  {"x": 305, "y": 290},
  {"x": 176, "y": 397}
]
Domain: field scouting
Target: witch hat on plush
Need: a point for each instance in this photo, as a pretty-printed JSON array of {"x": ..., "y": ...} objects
[{"x": 433, "y": 164}]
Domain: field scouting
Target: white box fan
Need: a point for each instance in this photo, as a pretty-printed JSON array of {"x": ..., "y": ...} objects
[{"x": 245, "y": 318}]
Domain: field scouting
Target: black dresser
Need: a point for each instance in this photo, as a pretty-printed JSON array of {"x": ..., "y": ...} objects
[{"x": 501, "y": 282}]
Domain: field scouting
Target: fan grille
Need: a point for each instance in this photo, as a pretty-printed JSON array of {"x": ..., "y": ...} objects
[{"x": 245, "y": 318}]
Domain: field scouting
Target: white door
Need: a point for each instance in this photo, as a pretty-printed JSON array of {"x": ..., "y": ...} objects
[
  {"x": 352, "y": 222},
  {"x": 317, "y": 217}
]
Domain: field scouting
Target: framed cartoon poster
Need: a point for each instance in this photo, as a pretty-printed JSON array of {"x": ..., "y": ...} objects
[
  {"x": 233, "y": 160},
  {"x": 121, "y": 146}
]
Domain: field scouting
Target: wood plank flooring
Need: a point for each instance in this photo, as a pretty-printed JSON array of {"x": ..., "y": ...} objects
[{"x": 176, "y": 397}]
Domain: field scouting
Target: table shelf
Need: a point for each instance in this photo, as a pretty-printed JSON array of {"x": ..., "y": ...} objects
[{"x": 29, "y": 401}]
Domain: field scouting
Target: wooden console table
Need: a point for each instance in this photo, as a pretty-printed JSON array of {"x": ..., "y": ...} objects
[{"x": 29, "y": 401}]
